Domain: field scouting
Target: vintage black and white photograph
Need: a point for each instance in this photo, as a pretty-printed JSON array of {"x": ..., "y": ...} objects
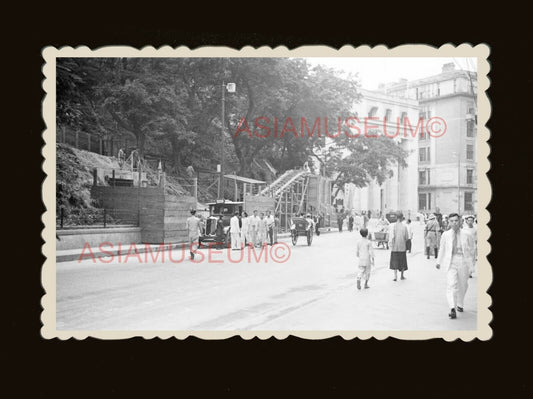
[{"x": 266, "y": 192}]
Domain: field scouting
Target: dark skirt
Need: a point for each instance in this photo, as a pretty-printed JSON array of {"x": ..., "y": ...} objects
[{"x": 398, "y": 261}]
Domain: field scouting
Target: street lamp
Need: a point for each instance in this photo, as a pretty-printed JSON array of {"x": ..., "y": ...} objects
[{"x": 230, "y": 87}]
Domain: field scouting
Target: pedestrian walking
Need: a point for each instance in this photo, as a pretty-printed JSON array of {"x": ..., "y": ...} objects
[
  {"x": 340, "y": 221},
  {"x": 253, "y": 226},
  {"x": 245, "y": 230},
  {"x": 219, "y": 233},
  {"x": 350, "y": 223},
  {"x": 192, "y": 225},
  {"x": 430, "y": 236},
  {"x": 310, "y": 221},
  {"x": 409, "y": 242},
  {"x": 261, "y": 230},
  {"x": 456, "y": 256},
  {"x": 471, "y": 231},
  {"x": 276, "y": 228},
  {"x": 235, "y": 232},
  {"x": 365, "y": 254},
  {"x": 270, "y": 227},
  {"x": 397, "y": 243}
]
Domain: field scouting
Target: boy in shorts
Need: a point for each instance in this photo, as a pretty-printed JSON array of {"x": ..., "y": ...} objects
[{"x": 365, "y": 253}]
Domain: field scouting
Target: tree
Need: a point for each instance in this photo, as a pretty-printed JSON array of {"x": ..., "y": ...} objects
[
  {"x": 362, "y": 159},
  {"x": 172, "y": 108}
]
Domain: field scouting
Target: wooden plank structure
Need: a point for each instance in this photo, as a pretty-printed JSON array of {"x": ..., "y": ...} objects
[
  {"x": 162, "y": 216},
  {"x": 258, "y": 202}
]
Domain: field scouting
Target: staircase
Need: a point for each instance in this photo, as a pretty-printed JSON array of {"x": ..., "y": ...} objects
[
  {"x": 289, "y": 189},
  {"x": 283, "y": 182}
]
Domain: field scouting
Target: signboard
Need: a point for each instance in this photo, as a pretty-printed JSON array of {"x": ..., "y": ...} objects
[{"x": 230, "y": 87}]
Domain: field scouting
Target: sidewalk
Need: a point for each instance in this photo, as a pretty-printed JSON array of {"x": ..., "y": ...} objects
[{"x": 123, "y": 248}]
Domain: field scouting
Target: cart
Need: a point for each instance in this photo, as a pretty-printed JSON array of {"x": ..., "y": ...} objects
[
  {"x": 301, "y": 227},
  {"x": 382, "y": 239}
]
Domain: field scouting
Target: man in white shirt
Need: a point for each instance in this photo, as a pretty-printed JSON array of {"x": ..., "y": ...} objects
[
  {"x": 235, "y": 232},
  {"x": 471, "y": 231},
  {"x": 253, "y": 226},
  {"x": 409, "y": 241},
  {"x": 456, "y": 255},
  {"x": 193, "y": 227},
  {"x": 270, "y": 227}
]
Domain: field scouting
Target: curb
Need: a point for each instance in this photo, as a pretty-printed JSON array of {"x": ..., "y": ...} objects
[{"x": 75, "y": 254}]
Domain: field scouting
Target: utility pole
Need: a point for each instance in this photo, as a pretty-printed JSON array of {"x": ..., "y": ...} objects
[{"x": 230, "y": 87}]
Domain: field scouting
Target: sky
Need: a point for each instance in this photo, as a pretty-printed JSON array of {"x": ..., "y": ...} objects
[{"x": 375, "y": 70}]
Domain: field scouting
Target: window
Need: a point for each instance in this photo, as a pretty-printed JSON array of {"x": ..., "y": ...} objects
[
  {"x": 424, "y": 201},
  {"x": 423, "y": 177},
  {"x": 403, "y": 116},
  {"x": 470, "y": 128},
  {"x": 422, "y": 131},
  {"x": 468, "y": 201},
  {"x": 422, "y": 204},
  {"x": 372, "y": 111},
  {"x": 388, "y": 114},
  {"x": 470, "y": 151},
  {"x": 470, "y": 176},
  {"x": 421, "y": 154}
]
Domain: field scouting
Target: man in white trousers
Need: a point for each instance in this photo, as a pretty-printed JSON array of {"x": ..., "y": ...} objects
[
  {"x": 456, "y": 254},
  {"x": 235, "y": 231}
]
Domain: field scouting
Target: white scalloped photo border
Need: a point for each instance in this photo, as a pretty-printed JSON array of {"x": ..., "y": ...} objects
[{"x": 48, "y": 273}]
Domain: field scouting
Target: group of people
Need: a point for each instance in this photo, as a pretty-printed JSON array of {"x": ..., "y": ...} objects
[
  {"x": 254, "y": 230},
  {"x": 356, "y": 220},
  {"x": 456, "y": 253},
  {"x": 399, "y": 240}
]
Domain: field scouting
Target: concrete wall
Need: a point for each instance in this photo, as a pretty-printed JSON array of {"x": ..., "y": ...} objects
[{"x": 77, "y": 238}]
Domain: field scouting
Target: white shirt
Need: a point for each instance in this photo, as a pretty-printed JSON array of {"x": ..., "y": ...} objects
[
  {"x": 409, "y": 231},
  {"x": 234, "y": 224},
  {"x": 254, "y": 222}
]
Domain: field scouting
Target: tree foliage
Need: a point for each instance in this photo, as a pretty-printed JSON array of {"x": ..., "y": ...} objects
[{"x": 172, "y": 107}]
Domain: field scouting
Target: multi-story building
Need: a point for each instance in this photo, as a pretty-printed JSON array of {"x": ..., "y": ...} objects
[
  {"x": 399, "y": 192},
  {"x": 447, "y": 173}
]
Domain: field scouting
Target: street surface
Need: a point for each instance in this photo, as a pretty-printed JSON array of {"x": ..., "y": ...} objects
[{"x": 315, "y": 289}]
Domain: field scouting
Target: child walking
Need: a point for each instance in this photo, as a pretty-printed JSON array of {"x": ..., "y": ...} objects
[{"x": 365, "y": 253}]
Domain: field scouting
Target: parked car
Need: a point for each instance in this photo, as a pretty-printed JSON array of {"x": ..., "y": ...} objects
[{"x": 223, "y": 208}]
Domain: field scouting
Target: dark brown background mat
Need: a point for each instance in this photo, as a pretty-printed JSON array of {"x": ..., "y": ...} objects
[{"x": 416, "y": 368}]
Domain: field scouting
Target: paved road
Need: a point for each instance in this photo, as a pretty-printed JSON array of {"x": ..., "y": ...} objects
[{"x": 313, "y": 290}]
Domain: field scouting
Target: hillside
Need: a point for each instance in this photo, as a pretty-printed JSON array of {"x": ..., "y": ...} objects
[{"x": 74, "y": 177}]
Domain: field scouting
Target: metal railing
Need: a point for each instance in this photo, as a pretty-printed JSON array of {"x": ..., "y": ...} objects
[
  {"x": 93, "y": 142},
  {"x": 96, "y": 218}
]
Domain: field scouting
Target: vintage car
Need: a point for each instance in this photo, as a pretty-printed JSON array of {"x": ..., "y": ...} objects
[{"x": 223, "y": 208}]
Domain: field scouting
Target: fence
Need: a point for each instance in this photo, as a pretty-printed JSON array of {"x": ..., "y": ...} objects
[
  {"x": 93, "y": 218},
  {"x": 92, "y": 142}
]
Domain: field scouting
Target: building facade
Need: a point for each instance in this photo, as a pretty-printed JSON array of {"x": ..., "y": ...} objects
[
  {"x": 447, "y": 172},
  {"x": 399, "y": 192}
]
